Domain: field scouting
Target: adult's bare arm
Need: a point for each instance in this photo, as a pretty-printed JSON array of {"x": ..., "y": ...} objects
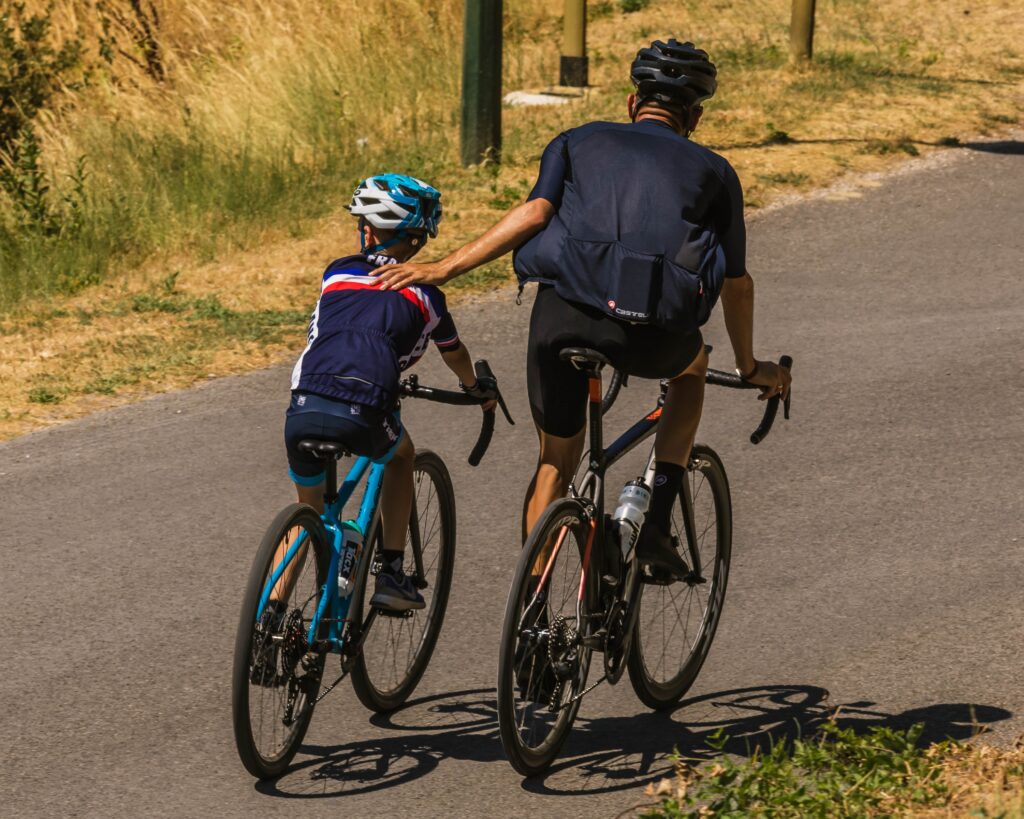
[
  {"x": 738, "y": 306},
  {"x": 514, "y": 228}
]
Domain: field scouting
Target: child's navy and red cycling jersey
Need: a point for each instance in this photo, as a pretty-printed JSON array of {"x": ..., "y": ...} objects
[
  {"x": 361, "y": 337},
  {"x": 345, "y": 383}
]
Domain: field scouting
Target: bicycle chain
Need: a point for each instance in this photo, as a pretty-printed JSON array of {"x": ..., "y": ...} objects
[{"x": 561, "y": 639}]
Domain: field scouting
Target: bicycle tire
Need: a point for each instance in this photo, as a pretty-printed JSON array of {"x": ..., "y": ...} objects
[
  {"x": 660, "y": 681},
  {"x": 531, "y": 759},
  {"x": 267, "y": 757},
  {"x": 434, "y": 505}
]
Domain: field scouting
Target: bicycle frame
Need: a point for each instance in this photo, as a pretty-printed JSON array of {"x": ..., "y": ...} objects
[
  {"x": 332, "y": 609},
  {"x": 592, "y": 482}
]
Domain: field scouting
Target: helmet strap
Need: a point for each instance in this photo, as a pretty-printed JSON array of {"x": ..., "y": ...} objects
[{"x": 377, "y": 248}]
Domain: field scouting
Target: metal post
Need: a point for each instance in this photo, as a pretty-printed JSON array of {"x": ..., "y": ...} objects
[
  {"x": 573, "y": 65},
  {"x": 801, "y": 31},
  {"x": 481, "y": 82}
]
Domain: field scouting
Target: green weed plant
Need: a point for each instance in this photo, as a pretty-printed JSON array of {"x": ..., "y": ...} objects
[{"x": 836, "y": 773}]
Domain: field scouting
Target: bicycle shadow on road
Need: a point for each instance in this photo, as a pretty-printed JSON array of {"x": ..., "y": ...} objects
[
  {"x": 617, "y": 753},
  {"x": 456, "y": 725},
  {"x": 603, "y": 754}
]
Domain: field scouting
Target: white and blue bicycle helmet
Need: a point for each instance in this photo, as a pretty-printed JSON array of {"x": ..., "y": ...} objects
[{"x": 393, "y": 201}]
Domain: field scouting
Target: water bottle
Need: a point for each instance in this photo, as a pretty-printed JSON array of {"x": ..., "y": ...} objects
[
  {"x": 351, "y": 545},
  {"x": 629, "y": 514}
]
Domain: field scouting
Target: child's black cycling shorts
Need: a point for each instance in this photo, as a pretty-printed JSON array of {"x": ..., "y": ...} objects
[
  {"x": 360, "y": 429},
  {"x": 558, "y": 391}
]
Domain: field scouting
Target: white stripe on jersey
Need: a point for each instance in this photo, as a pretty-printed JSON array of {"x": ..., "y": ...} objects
[
  {"x": 314, "y": 331},
  {"x": 434, "y": 318}
]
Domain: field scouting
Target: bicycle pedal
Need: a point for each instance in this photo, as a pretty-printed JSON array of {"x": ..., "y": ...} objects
[
  {"x": 404, "y": 615},
  {"x": 657, "y": 577}
]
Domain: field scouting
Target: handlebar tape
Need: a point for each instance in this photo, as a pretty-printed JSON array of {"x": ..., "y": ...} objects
[
  {"x": 484, "y": 441},
  {"x": 772, "y": 409}
]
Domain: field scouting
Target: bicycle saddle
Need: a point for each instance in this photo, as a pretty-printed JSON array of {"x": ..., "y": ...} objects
[
  {"x": 323, "y": 449},
  {"x": 583, "y": 358}
]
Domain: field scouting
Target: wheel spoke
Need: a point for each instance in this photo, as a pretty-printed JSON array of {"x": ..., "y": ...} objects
[{"x": 673, "y": 627}]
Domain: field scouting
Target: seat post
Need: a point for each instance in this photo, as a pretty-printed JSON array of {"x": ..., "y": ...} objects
[{"x": 330, "y": 479}]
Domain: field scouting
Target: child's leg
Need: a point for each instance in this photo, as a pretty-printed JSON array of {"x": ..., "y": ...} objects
[
  {"x": 311, "y": 495},
  {"x": 396, "y": 499}
]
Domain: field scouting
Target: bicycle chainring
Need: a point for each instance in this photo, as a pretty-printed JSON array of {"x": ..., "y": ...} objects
[{"x": 615, "y": 643}]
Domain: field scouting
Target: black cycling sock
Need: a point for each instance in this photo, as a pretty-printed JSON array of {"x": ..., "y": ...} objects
[
  {"x": 392, "y": 560},
  {"x": 668, "y": 480}
]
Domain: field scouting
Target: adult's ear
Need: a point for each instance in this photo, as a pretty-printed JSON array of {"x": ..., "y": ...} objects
[
  {"x": 695, "y": 115},
  {"x": 631, "y": 106}
]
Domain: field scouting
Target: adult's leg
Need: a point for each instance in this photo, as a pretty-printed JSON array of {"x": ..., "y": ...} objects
[
  {"x": 556, "y": 464},
  {"x": 677, "y": 430},
  {"x": 681, "y": 413},
  {"x": 558, "y": 395}
]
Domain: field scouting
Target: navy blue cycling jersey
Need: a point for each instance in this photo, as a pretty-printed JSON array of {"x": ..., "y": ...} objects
[
  {"x": 648, "y": 223},
  {"x": 361, "y": 337}
]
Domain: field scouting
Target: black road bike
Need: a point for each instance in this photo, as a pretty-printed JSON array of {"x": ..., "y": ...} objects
[{"x": 576, "y": 593}]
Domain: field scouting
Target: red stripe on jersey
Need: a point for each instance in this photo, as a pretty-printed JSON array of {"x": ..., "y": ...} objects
[{"x": 409, "y": 295}]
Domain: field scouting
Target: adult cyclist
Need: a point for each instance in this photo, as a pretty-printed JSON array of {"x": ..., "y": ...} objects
[{"x": 632, "y": 233}]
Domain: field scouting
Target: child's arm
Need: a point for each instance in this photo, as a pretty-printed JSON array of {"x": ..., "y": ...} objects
[{"x": 459, "y": 362}]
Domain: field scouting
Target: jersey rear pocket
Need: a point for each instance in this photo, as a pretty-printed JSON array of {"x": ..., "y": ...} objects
[
  {"x": 620, "y": 281},
  {"x": 682, "y": 303}
]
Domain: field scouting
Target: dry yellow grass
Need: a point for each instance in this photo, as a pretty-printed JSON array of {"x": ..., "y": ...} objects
[
  {"x": 983, "y": 781},
  {"x": 890, "y": 80}
]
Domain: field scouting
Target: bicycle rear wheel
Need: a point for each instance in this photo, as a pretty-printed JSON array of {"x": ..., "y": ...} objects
[
  {"x": 398, "y": 648},
  {"x": 542, "y": 664},
  {"x": 276, "y": 677},
  {"x": 676, "y": 622}
]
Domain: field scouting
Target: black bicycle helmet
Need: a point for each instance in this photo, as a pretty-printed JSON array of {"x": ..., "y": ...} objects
[{"x": 673, "y": 72}]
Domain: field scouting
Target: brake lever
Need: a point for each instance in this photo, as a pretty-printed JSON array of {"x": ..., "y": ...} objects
[{"x": 504, "y": 408}]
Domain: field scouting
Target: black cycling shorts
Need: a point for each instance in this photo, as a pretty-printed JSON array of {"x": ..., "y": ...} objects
[
  {"x": 360, "y": 429},
  {"x": 558, "y": 391}
]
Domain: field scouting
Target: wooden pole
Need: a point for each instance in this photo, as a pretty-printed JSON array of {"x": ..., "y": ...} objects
[
  {"x": 573, "y": 65},
  {"x": 801, "y": 31},
  {"x": 481, "y": 82}
]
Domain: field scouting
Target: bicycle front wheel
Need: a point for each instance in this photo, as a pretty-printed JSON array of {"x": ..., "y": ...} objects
[
  {"x": 398, "y": 647},
  {"x": 543, "y": 663},
  {"x": 276, "y": 675},
  {"x": 676, "y": 622}
]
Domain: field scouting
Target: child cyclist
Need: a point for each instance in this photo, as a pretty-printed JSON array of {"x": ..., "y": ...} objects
[{"x": 345, "y": 384}]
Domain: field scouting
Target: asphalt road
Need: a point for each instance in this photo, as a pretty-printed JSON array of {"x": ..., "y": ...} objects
[{"x": 877, "y": 563}]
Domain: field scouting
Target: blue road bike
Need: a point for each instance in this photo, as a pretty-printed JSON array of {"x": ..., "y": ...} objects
[{"x": 307, "y": 596}]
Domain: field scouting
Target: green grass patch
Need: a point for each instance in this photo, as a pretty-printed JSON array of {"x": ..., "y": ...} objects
[
  {"x": 787, "y": 178},
  {"x": 209, "y": 315},
  {"x": 750, "y": 55},
  {"x": 833, "y": 74},
  {"x": 903, "y": 145},
  {"x": 837, "y": 772},
  {"x": 47, "y": 395}
]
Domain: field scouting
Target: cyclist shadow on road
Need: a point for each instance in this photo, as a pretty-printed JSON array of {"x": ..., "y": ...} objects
[{"x": 603, "y": 754}]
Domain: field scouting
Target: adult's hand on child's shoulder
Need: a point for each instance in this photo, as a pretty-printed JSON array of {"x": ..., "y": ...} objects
[{"x": 397, "y": 276}]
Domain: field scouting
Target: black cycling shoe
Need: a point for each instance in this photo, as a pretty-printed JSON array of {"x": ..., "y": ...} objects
[{"x": 661, "y": 553}]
